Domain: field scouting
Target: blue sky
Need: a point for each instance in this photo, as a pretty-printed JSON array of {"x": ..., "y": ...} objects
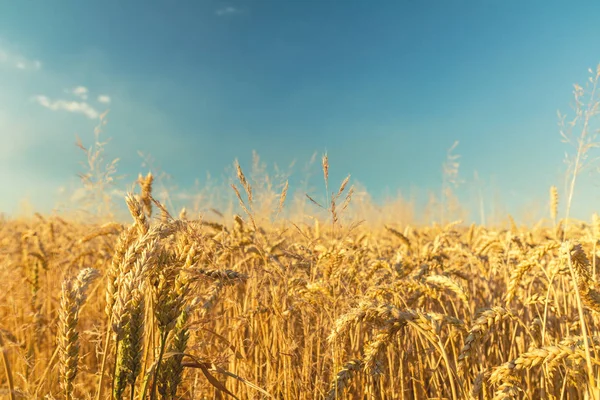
[{"x": 385, "y": 87}]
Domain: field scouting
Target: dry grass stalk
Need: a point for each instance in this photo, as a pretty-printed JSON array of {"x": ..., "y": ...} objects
[
  {"x": 72, "y": 297},
  {"x": 146, "y": 192},
  {"x": 553, "y": 203}
]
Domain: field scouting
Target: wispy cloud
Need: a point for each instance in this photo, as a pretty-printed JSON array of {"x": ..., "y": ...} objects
[
  {"x": 80, "y": 107},
  {"x": 81, "y": 92},
  {"x": 104, "y": 99},
  {"x": 229, "y": 10},
  {"x": 14, "y": 60}
]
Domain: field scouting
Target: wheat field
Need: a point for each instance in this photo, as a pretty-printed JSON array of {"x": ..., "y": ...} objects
[{"x": 176, "y": 308}]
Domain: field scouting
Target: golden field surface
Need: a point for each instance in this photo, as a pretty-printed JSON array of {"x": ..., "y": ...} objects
[{"x": 177, "y": 308}]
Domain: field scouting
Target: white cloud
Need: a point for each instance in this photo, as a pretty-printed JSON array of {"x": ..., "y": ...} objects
[
  {"x": 81, "y": 92},
  {"x": 229, "y": 10},
  {"x": 18, "y": 61},
  {"x": 80, "y": 107},
  {"x": 104, "y": 99}
]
